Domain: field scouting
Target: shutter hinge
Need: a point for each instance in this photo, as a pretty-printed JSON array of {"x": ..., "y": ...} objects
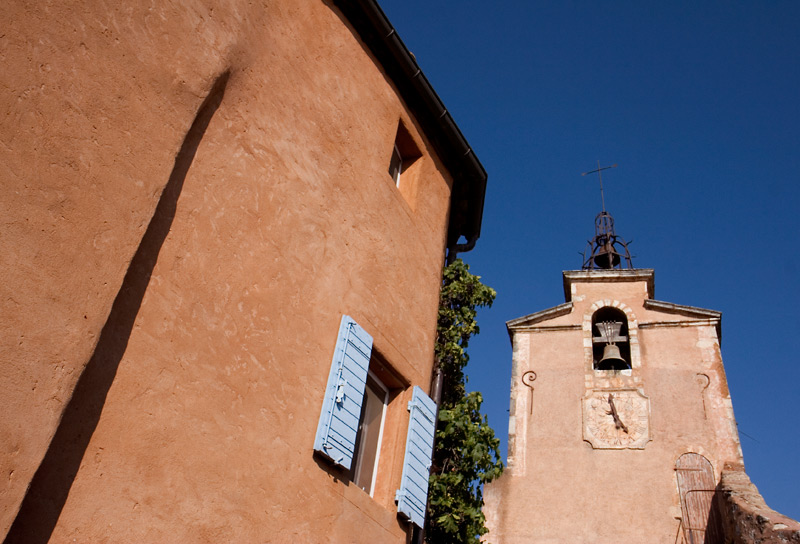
[
  {"x": 340, "y": 391},
  {"x": 326, "y": 447}
]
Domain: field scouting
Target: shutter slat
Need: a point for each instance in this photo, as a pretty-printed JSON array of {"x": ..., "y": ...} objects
[
  {"x": 338, "y": 421},
  {"x": 412, "y": 497}
]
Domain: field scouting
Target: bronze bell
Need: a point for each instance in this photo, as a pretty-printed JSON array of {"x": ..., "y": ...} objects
[
  {"x": 612, "y": 359},
  {"x": 606, "y": 257}
]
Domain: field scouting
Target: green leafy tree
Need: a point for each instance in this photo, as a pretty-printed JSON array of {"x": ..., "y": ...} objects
[{"x": 466, "y": 454}]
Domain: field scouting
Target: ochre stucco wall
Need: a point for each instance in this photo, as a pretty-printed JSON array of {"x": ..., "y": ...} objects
[
  {"x": 557, "y": 487},
  {"x": 197, "y": 420}
]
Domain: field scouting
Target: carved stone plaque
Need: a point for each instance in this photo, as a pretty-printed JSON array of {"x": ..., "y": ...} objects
[{"x": 616, "y": 419}]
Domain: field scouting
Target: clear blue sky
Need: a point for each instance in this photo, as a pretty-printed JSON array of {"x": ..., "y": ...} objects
[{"x": 699, "y": 104}]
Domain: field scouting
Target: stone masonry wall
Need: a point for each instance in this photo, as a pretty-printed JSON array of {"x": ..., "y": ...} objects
[{"x": 746, "y": 517}]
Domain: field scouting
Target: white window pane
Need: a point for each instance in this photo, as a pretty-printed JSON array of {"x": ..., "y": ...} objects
[
  {"x": 396, "y": 165},
  {"x": 370, "y": 434}
]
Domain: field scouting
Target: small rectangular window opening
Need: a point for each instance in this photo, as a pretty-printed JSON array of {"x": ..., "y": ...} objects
[
  {"x": 370, "y": 433},
  {"x": 404, "y": 153}
]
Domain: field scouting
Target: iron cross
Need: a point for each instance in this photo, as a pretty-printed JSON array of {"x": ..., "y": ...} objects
[{"x": 599, "y": 172}]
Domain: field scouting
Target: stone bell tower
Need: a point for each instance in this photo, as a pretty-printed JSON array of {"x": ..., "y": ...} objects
[{"x": 620, "y": 421}]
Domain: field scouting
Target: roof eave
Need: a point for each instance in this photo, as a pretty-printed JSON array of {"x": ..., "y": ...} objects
[{"x": 469, "y": 176}]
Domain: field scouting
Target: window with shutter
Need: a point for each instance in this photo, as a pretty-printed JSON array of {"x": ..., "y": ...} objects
[
  {"x": 344, "y": 395},
  {"x": 349, "y": 433},
  {"x": 412, "y": 497}
]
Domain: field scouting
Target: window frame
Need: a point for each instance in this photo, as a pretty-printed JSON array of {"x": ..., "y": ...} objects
[
  {"x": 396, "y": 166},
  {"x": 359, "y": 456}
]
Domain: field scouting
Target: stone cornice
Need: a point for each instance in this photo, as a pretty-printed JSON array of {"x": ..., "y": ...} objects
[
  {"x": 608, "y": 276},
  {"x": 701, "y": 315},
  {"x": 538, "y": 317}
]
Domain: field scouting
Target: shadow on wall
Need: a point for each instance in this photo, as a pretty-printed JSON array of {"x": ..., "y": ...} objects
[{"x": 51, "y": 484}]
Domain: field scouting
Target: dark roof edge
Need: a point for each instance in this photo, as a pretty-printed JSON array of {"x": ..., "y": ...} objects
[{"x": 469, "y": 176}]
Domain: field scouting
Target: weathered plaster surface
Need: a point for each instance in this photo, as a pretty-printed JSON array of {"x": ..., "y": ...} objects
[
  {"x": 279, "y": 216},
  {"x": 569, "y": 491}
]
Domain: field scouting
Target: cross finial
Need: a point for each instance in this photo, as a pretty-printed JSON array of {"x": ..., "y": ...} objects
[{"x": 599, "y": 172}]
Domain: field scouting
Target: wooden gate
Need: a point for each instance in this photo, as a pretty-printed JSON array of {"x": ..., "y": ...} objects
[{"x": 697, "y": 485}]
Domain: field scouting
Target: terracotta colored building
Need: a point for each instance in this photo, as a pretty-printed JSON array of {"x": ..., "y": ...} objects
[
  {"x": 223, "y": 232},
  {"x": 621, "y": 426}
]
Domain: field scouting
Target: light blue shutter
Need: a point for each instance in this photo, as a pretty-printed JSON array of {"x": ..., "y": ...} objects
[
  {"x": 412, "y": 497},
  {"x": 341, "y": 409}
]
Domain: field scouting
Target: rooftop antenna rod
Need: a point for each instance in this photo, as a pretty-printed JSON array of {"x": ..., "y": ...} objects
[{"x": 600, "y": 175}]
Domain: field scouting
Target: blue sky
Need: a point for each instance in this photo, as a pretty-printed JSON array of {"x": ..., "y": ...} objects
[{"x": 699, "y": 104}]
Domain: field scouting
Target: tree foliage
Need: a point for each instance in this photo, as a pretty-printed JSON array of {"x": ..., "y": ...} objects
[{"x": 466, "y": 454}]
